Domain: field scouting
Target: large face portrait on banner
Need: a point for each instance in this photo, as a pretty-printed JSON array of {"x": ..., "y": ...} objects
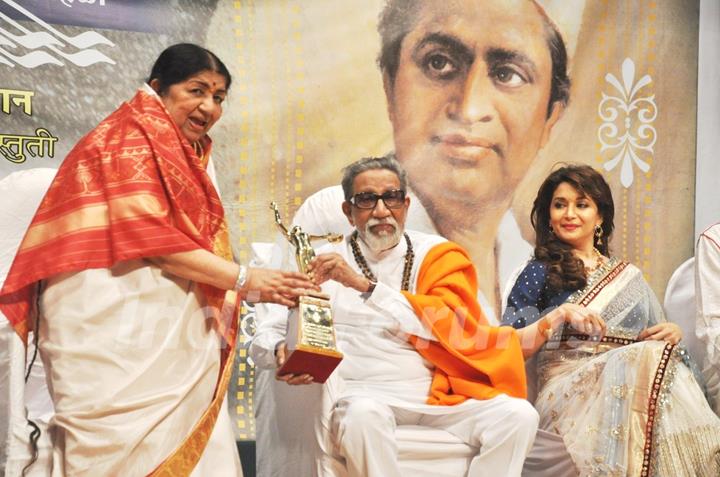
[
  {"x": 478, "y": 99},
  {"x": 457, "y": 79}
]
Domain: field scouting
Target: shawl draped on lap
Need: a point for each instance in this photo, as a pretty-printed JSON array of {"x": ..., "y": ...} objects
[
  {"x": 471, "y": 358},
  {"x": 131, "y": 188}
]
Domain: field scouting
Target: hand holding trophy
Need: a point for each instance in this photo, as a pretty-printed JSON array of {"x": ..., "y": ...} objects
[{"x": 310, "y": 337}]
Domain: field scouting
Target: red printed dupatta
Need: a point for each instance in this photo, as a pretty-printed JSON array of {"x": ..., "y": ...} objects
[{"x": 131, "y": 188}]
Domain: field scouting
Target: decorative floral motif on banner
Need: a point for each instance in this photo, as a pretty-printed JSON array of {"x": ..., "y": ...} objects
[{"x": 627, "y": 132}]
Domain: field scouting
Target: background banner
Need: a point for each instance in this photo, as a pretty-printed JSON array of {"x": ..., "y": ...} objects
[{"x": 307, "y": 98}]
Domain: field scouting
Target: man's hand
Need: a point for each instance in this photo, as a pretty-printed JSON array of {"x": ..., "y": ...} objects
[
  {"x": 292, "y": 379},
  {"x": 331, "y": 266},
  {"x": 275, "y": 286},
  {"x": 669, "y": 332}
]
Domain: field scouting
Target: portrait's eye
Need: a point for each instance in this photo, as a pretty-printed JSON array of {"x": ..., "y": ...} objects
[
  {"x": 557, "y": 204},
  {"x": 218, "y": 99},
  {"x": 509, "y": 75},
  {"x": 438, "y": 62},
  {"x": 440, "y": 66}
]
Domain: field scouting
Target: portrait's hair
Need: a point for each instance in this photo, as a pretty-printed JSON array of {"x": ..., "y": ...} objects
[
  {"x": 183, "y": 60},
  {"x": 398, "y": 18},
  {"x": 565, "y": 271},
  {"x": 353, "y": 170}
]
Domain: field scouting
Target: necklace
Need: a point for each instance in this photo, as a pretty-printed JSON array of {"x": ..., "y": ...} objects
[
  {"x": 198, "y": 148},
  {"x": 362, "y": 263},
  {"x": 200, "y": 152},
  {"x": 598, "y": 261}
]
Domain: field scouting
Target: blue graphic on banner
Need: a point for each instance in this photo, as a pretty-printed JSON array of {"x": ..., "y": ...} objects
[
  {"x": 29, "y": 41},
  {"x": 130, "y": 15}
]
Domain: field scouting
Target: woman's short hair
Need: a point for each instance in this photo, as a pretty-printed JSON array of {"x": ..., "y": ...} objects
[{"x": 183, "y": 60}]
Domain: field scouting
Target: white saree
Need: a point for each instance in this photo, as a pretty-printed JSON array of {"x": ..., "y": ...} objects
[{"x": 132, "y": 363}]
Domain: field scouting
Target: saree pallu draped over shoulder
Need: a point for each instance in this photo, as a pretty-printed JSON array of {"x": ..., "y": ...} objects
[
  {"x": 624, "y": 406},
  {"x": 131, "y": 189}
]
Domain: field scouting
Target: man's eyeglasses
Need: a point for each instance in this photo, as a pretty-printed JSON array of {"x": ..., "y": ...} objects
[{"x": 393, "y": 199}]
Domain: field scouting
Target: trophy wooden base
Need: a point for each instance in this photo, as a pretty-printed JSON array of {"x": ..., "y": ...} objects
[
  {"x": 310, "y": 339},
  {"x": 318, "y": 363}
]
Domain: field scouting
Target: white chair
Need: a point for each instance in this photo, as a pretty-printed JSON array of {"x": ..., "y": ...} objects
[{"x": 21, "y": 193}]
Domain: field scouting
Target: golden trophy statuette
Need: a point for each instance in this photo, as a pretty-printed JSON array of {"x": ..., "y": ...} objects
[{"x": 310, "y": 337}]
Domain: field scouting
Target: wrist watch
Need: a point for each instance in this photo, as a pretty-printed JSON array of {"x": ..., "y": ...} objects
[{"x": 366, "y": 294}]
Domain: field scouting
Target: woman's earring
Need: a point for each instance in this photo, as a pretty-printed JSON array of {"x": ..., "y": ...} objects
[{"x": 598, "y": 234}]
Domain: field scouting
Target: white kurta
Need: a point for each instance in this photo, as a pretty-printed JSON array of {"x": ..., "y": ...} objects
[
  {"x": 373, "y": 333},
  {"x": 383, "y": 381},
  {"x": 707, "y": 290}
]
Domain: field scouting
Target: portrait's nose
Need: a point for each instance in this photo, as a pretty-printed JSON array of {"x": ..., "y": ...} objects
[
  {"x": 570, "y": 211},
  {"x": 474, "y": 98}
]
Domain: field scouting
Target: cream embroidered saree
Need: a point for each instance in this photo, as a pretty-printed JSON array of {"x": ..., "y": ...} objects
[{"x": 625, "y": 407}]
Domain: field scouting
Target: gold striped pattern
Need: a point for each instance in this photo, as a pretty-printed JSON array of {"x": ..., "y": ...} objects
[{"x": 251, "y": 157}]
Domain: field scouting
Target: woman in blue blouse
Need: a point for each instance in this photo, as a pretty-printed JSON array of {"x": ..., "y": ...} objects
[{"x": 611, "y": 380}]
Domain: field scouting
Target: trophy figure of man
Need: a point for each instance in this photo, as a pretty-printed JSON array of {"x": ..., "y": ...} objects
[
  {"x": 310, "y": 333},
  {"x": 304, "y": 252}
]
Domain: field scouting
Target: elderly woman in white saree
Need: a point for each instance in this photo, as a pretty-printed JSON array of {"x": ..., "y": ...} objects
[
  {"x": 126, "y": 276},
  {"x": 612, "y": 380}
]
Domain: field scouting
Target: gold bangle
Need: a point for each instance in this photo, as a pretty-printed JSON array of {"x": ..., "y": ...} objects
[{"x": 545, "y": 327}]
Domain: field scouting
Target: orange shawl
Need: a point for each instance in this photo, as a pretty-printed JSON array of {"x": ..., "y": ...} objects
[
  {"x": 131, "y": 188},
  {"x": 471, "y": 358}
]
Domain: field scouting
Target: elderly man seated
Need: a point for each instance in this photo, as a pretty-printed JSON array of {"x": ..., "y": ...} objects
[{"x": 417, "y": 347}]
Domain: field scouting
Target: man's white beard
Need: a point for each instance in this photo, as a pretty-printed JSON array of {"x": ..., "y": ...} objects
[{"x": 377, "y": 242}]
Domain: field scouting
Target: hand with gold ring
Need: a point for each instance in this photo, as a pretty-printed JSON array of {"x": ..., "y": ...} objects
[{"x": 669, "y": 332}]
